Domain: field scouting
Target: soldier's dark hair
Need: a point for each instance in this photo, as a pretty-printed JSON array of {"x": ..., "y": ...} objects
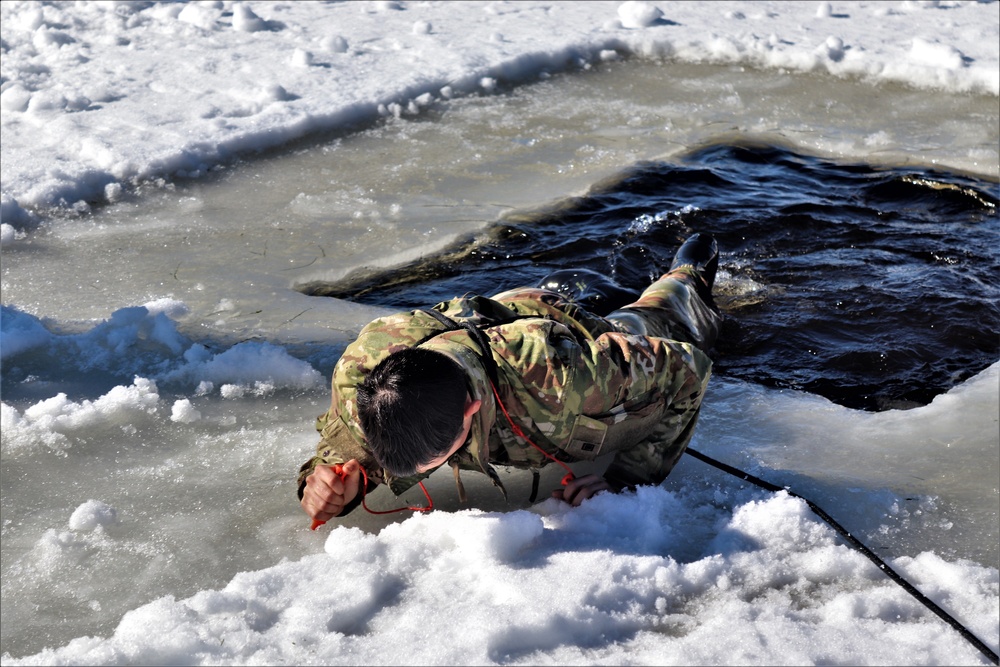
[{"x": 411, "y": 407}]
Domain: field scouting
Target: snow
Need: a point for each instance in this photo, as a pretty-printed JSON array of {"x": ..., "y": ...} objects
[
  {"x": 97, "y": 96},
  {"x": 562, "y": 586},
  {"x": 704, "y": 571},
  {"x": 100, "y": 97},
  {"x": 635, "y": 14},
  {"x": 90, "y": 515}
]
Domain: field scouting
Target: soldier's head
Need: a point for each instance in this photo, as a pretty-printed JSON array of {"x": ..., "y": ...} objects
[{"x": 415, "y": 410}]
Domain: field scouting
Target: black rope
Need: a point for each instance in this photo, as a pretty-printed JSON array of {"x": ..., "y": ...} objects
[{"x": 892, "y": 574}]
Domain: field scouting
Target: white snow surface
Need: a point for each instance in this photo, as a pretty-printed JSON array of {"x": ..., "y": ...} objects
[{"x": 99, "y": 95}]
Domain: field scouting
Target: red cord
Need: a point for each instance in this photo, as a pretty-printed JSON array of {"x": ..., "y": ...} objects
[
  {"x": 569, "y": 477},
  {"x": 430, "y": 501},
  {"x": 339, "y": 470}
]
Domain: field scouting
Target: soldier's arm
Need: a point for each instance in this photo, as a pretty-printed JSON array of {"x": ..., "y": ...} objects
[
  {"x": 336, "y": 447},
  {"x": 625, "y": 368}
]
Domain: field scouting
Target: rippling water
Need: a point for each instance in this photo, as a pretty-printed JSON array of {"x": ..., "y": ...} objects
[{"x": 876, "y": 288}]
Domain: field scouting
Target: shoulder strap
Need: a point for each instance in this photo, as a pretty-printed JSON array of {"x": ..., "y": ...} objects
[
  {"x": 449, "y": 324},
  {"x": 475, "y": 333},
  {"x": 490, "y": 364},
  {"x": 485, "y": 352}
]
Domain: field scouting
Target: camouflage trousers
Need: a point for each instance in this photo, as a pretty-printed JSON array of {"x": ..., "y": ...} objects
[{"x": 672, "y": 307}]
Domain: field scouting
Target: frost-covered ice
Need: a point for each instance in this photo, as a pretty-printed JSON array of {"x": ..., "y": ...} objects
[
  {"x": 591, "y": 586},
  {"x": 98, "y": 95},
  {"x": 704, "y": 571},
  {"x": 148, "y": 515}
]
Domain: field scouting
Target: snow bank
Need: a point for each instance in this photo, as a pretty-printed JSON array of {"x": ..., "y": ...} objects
[
  {"x": 98, "y": 96},
  {"x": 565, "y": 586},
  {"x": 141, "y": 340}
]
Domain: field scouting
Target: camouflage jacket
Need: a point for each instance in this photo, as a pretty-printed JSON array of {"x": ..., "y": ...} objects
[{"x": 577, "y": 386}]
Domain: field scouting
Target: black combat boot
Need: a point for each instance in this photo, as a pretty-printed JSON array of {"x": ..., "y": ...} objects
[{"x": 701, "y": 252}]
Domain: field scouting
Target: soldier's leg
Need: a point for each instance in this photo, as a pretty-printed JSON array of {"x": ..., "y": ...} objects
[{"x": 679, "y": 305}]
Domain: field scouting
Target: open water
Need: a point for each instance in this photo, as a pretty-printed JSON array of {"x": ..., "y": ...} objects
[{"x": 873, "y": 287}]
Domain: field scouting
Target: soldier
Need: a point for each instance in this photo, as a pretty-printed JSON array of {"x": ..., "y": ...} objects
[{"x": 525, "y": 378}]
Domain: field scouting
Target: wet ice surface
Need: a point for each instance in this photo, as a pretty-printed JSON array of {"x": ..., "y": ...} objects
[
  {"x": 408, "y": 189},
  {"x": 178, "y": 480}
]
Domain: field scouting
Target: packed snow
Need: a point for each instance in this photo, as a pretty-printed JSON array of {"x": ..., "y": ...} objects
[{"x": 99, "y": 95}]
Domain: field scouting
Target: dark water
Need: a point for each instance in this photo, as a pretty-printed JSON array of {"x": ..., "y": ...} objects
[{"x": 875, "y": 288}]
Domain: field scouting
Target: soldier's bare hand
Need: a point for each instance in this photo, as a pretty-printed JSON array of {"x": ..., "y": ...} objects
[
  {"x": 327, "y": 491},
  {"x": 581, "y": 488}
]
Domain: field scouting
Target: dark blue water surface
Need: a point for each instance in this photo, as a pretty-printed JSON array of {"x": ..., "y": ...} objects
[{"x": 876, "y": 288}]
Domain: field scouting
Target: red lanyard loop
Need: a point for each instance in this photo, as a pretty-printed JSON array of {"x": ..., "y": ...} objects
[
  {"x": 569, "y": 477},
  {"x": 339, "y": 470},
  {"x": 364, "y": 489}
]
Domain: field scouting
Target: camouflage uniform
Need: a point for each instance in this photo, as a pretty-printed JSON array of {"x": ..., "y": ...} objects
[{"x": 578, "y": 385}]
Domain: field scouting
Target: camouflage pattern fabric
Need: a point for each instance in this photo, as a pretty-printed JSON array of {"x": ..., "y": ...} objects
[{"x": 578, "y": 385}]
